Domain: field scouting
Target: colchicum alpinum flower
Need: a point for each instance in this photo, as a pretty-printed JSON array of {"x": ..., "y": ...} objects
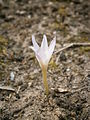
[{"x": 43, "y": 55}]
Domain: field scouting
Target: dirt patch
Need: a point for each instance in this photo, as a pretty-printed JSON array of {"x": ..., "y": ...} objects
[{"x": 68, "y": 71}]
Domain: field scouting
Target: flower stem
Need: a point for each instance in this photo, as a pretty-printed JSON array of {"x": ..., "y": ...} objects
[{"x": 44, "y": 72}]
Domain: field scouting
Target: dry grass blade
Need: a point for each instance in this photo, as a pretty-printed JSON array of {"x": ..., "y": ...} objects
[
  {"x": 72, "y": 45},
  {"x": 8, "y": 88}
]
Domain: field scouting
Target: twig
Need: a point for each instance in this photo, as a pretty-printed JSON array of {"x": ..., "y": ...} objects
[
  {"x": 72, "y": 45},
  {"x": 8, "y": 88}
]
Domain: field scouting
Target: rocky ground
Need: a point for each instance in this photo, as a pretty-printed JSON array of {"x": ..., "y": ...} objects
[{"x": 22, "y": 95}]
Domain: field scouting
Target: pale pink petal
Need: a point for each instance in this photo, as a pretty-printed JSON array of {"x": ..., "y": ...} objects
[
  {"x": 44, "y": 45},
  {"x": 36, "y": 46},
  {"x": 39, "y": 59},
  {"x": 38, "y": 55},
  {"x": 51, "y": 47},
  {"x": 42, "y": 57}
]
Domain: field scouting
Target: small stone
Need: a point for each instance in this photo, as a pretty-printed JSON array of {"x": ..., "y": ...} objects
[
  {"x": 20, "y": 12},
  {"x": 62, "y": 90},
  {"x": 68, "y": 69},
  {"x": 12, "y": 76}
]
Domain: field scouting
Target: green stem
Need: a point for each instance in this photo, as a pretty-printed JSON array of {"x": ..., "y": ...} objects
[{"x": 44, "y": 72}]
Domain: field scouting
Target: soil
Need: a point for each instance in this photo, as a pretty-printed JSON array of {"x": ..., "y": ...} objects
[{"x": 22, "y": 95}]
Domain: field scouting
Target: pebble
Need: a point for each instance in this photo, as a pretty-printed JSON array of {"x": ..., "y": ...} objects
[{"x": 12, "y": 76}]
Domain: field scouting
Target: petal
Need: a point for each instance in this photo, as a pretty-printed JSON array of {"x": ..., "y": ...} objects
[
  {"x": 51, "y": 47},
  {"x": 36, "y": 46},
  {"x": 44, "y": 45},
  {"x": 38, "y": 55},
  {"x": 42, "y": 61},
  {"x": 39, "y": 59}
]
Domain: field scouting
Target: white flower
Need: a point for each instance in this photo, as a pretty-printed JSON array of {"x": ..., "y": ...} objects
[{"x": 43, "y": 53}]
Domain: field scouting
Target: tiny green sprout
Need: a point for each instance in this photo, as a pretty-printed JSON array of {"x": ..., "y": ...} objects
[{"x": 43, "y": 55}]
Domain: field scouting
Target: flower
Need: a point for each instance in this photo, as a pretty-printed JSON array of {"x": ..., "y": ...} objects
[{"x": 43, "y": 53}]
